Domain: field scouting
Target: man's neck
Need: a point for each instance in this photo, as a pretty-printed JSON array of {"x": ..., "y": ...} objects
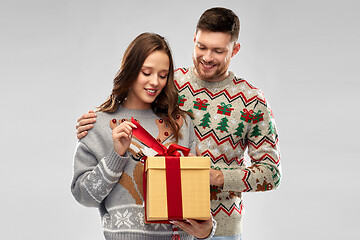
[{"x": 217, "y": 79}]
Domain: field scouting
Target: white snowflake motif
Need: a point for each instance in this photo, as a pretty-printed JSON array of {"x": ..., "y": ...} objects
[
  {"x": 123, "y": 219},
  {"x": 226, "y": 148},
  {"x": 249, "y": 92},
  {"x": 242, "y": 87},
  {"x": 106, "y": 219},
  {"x": 141, "y": 219},
  {"x": 96, "y": 184},
  {"x": 216, "y": 151},
  {"x": 233, "y": 121},
  {"x": 199, "y": 146},
  {"x": 198, "y": 114},
  {"x": 216, "y": 117},
  {"x": 263, "y": 124},
  {"x": 234, "y": 89}
]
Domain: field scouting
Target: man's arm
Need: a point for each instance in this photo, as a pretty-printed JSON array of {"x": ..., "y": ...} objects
[
  {"x": 264, "y": 174},
  {"x": 85, "y": 123}
]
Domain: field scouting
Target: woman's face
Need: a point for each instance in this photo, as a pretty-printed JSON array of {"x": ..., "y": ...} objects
[{"x": 150, "y": 81}]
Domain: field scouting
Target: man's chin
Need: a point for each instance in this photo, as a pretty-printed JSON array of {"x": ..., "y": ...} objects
[{"x": 205, "y": 75}]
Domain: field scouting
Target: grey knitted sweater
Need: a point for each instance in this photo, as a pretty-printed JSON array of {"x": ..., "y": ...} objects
[{"x": 113, "y": 183}]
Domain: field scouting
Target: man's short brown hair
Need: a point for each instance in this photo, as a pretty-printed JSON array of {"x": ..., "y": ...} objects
[{"x": 220, "y": 20}]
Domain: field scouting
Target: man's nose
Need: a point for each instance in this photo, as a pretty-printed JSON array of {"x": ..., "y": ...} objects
[{"x": 208, "y": 57}]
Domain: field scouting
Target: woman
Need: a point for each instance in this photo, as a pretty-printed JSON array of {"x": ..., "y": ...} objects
[{"x": 108, "y": 162}]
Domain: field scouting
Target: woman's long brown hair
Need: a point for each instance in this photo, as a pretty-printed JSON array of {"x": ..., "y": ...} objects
[{"x": 166, "y": 104}]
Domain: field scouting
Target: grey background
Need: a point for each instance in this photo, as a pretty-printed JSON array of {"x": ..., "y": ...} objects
[{"x": 58, "y": 59}]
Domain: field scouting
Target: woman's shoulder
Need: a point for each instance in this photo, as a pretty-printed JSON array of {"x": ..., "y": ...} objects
[
  {"x": 101, "y": 128},
  {"x": 187, "y": 121}
]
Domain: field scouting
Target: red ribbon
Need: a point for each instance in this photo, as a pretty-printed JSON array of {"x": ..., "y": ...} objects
[
  {"x": 151, "y": 142},
  {"x": 172, "y": 164}
]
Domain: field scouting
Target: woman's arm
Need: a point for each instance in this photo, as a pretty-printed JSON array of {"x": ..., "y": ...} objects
[{"x": 93, "y": 180}]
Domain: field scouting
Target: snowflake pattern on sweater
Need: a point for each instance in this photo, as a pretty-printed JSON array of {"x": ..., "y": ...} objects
[{"x": 114, "y": 184}]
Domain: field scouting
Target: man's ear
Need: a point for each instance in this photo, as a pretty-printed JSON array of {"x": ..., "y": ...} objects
[{"x": 236, "y": 49}]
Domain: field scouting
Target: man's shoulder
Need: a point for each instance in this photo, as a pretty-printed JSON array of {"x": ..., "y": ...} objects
[
  {"x": 180, "y": 72},
  {"x": 245, "y": 86}
]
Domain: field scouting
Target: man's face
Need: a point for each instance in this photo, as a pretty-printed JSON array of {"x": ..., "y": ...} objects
[{"x": 212, "y": 54}]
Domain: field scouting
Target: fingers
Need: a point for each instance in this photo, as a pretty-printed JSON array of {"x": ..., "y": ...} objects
[
  {"x": 90, "y": 116},
  {"x": 199, "y": 229},
  {"x": 81, "y": 131},
  {"x": 123, "y": 130},
  {"x": 122, "y": 135},
  {"x": 81, "y": 135},
  {"x": 85, "y": 122}
]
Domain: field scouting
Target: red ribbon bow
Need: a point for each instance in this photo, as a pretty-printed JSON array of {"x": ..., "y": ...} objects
[
  {"x": 173, "y": 174},
  {"x": 151, "y": 142}
]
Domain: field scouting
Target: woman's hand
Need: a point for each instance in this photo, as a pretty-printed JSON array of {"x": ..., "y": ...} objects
[
  {"x": 198, "y": 229},
  {"x": 122, "y": 135}
]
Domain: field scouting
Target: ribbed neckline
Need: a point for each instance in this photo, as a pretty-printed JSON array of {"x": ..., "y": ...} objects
[{"x": 136, "y": 113}]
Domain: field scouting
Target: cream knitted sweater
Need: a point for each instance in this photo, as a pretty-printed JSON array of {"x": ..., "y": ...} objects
[{"x": 231, "y": 117}]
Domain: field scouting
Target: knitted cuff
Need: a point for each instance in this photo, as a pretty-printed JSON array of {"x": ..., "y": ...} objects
[
  {"x": 234, "y": 180},
  {"x": 115, "y": 162}
]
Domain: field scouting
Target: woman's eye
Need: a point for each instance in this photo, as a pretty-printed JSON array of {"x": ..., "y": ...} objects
[
  {"x": 163, "y": 77},
  {"x": 146, "y": 74}
]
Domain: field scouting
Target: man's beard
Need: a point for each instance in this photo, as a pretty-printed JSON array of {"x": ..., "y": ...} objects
[{"x": 215, "y": 74}]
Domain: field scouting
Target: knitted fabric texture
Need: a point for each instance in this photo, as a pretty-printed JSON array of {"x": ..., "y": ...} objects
[
  {"x": 113, "y": 183},
  {"x": 230, "y": 117}
]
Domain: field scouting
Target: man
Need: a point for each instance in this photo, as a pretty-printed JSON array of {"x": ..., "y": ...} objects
[{"x": 230, "y": 117}]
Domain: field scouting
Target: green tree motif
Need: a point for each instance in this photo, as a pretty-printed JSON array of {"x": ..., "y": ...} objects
[
  {"x": 239, "y": 129},
  {"x": 271, "y": 128},
  {"x": 223, "y": 125},
  {"x": 205, "y": 120},
  {"x": 255, "y": 131}
]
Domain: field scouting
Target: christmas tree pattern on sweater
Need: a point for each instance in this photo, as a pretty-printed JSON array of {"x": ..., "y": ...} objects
[{"x": 231, "y": 117}]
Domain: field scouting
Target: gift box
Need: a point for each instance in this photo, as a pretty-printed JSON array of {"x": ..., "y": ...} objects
[
  {"x": 176, "y": 187},
  {"x": 178, "y": 190}
]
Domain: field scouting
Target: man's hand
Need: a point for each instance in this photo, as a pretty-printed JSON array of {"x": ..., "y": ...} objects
[
  {"x": 198, "y": 229},
  {"x": 85, "y": 123},
  {"x": 216, "y": 178}
]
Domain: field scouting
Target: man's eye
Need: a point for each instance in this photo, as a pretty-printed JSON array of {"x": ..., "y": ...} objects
[{"x": 200, "y": 47}]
